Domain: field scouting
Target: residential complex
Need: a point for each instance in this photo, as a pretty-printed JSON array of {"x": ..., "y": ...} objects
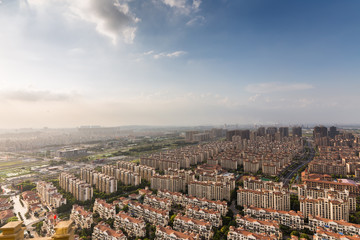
[
  {"x": 186, "y": 224},
  {"x": 103, "y": 231},
  {"x": 149, "y": 214},
  {"x": 49, "y": 195},
  {"x": 81, "y": 217},
  {"x": 134, "y": 227},
  {"x": 102, "y": 182},
  {"x": 166, "y": 233},
  {"x": 104, "y": 209},
  {"x": 81, "y": 190}
]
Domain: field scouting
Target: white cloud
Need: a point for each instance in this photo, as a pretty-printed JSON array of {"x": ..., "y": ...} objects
[
  {"x": 196, "y": 20},
  {"x": 277, "y": 87},
  {"x": 36, "y": 95},
  {"x": 112, "y": 18},
  {"x": 184, "y": 6},
  {"x": 169, "y": 55}
]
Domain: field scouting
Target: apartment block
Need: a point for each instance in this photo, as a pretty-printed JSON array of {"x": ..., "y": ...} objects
[
  {"x": 168, "y": 182},
  {"x": 269, "y": 227},
  {"x": 241, "y": 234},
  {"x": 134, "y": 227},
  {"x": 159, "y": 203},
  {"x": 144, "y": 171},
  {"x": 125, "y": 176},
  {"x": 104, "y": 209},
  {"x": 306, "y": 192},
  {"x": 103, "y": 183},
  {"x": 81, "y": 190},
  {"x": 149, "y": 214},
  {"x": 49, "y": 195},
  {"x": 208, "y": 215},
  {"x": 186, "y": 224},
  {"x": 339, "y": 185},
  {"x": 288, "y": 218},
  {"x": 278, "y": 199},
  {"x": 81, "y": 217},
  {"x": 166, "y": 233},
  {"x": 335, "y": 209},
  {"x": 103, "y": 231},
  {"x": 210, "y": 190}
]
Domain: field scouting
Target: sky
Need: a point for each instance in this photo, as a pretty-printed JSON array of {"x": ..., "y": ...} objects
[{"x": 68, "y": 63}]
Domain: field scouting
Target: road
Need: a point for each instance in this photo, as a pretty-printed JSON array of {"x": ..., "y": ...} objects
[{"x": 289, "y": 176}]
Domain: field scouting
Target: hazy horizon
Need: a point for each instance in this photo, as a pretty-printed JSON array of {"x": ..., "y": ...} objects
[{"x": 65, "y": 64}]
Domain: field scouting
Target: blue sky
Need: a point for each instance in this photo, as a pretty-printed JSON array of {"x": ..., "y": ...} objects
[{"x": 66, "y": 63}]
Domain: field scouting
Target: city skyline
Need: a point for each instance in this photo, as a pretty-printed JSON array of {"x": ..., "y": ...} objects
[{"x": 178, "y": 62}]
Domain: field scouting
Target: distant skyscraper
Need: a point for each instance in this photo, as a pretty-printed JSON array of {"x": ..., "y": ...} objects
[
  {"x": 284, "y": 132},
  {"x": 297, "y": 131},
  {"x": 271, "y": 130},
  {"x": 333, "y": 132},
  {"x": 320, "y": 131},
  {"x": 261, "y": 131}
]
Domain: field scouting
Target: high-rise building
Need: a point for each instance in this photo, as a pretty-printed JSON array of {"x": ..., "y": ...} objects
[
  {"x": 320, "y": 131},
  {"x": 284, "y": 132},
  {"x": 297, "y": 131}
]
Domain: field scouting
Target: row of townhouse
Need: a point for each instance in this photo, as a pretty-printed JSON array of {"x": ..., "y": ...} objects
[
  {"x": 81, "y": 217},
  {"x": 49, "y": 195},
  {"x": 259, "y": 226},
  {"x": 334, "y": 225},
  {"x": 325, "y": 234},
  {"x": 212, "y": 216},
  {"x": 156, "y": 202},
  {"x": 186, "y": 224},
  {"x": 103, "y": 183},
  {"x": 278, "y": 198},
  {"x": 149, "y": 214},
  {"x": 166, "y": 233},
  {"x": 184, "y": 200},
  {"x": 335, "y": 209},
  {"x": 103, "y": 231},
  {"x": 309, "y": 192},
  {"x": 81, "y": 190},
  {"x": 210, "y": 190},
  {"x": 168, "y": 182},
  {"x": 125, "y": 176},
  {"x": 144, "y": 171},
  {"x": 104, "y": 209},
  {"x": 241, "y": 234},
  {"x": 288, "y": 218},
  {"x": 134, "y": 227}
]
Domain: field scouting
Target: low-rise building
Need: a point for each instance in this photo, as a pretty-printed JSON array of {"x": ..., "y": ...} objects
[
  {"x": 326, "y": 234},
  {"x": 103, "y": 231},
  {"x": 186, "y": 224},
  {"x": 149, "y": 214},
  {"x": 208, "y": 215},
  {"x": 81, "y": 217},
  {"x": 288, "y": 218},
  {"x": 156, "y": 202},
  {"x": 270, "y": 227},
  {"x": 104, "y": 209},
  {"x": 134, "y": 227},
  {"x": 241, "y": 234},
  {"x": 166, "y": 233}
]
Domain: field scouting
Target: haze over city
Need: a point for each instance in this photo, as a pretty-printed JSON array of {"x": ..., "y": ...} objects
[{"x": 66, "y": 63}]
